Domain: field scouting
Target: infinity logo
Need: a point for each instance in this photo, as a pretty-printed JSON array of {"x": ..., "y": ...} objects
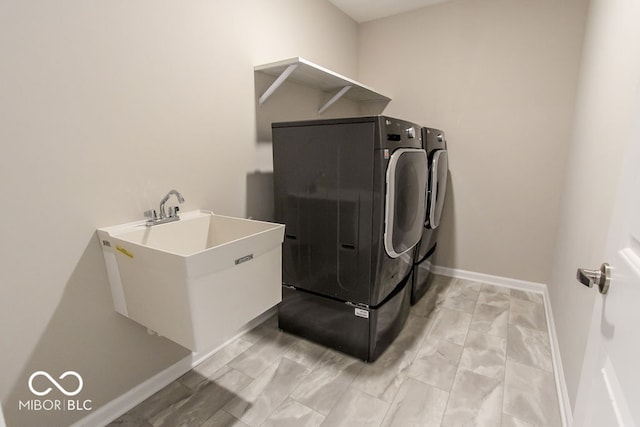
[{"x": 55, "y": 383}]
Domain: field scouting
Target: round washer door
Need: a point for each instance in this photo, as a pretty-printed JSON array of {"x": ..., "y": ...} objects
[
  {"x": 405, "y": 204},
  {"x": 437, "y": 187}
]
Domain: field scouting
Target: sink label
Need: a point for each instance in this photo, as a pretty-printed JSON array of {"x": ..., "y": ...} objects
[
  {"x": 124, "y": 251},
  {"x": 360, "y": 312},
  {"x": 244, "y": 259}
]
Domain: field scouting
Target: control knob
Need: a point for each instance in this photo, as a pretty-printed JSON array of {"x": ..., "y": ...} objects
[{"x": 411, "y": 132}]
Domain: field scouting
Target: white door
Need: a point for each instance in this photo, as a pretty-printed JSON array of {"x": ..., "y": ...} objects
[{"x": 609, "y": 391}]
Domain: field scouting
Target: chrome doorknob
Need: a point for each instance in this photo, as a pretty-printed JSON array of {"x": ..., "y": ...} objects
[{"x": 601, "y": 277}]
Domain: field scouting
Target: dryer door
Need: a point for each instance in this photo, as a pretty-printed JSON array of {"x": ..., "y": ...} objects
[
  {"x": 405, "y": 204},
  {"x": 437, "y": 188}
]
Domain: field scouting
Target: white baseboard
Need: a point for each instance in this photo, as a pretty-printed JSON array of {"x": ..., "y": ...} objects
[
  {"x": 125, "y": 402},
  {"x": 490, "y": 279},
  {"x": 561, "y": 385}
]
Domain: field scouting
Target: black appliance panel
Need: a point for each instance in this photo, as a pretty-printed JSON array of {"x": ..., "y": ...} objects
[
  {"x": 324, "y": 321},
  {"x": 390, "y": 317},
  {"x": 358, "y": 331},
  {"x": 391, "y": 133},
  {"x": 435, "y": 145},
  {"x": 323, "y": 193},
  {"x": 332, "y": 200},
  {"x": 436, "y": 148}
]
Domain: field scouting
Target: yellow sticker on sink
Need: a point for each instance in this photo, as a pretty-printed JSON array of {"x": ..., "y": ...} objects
[{"x": 124, "y": 251}]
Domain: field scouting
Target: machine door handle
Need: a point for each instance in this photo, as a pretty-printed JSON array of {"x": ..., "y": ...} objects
[{"x": 601, "y": 277}]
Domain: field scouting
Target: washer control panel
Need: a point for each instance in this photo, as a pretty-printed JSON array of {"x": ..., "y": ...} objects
[{"x": 399, "y": 133}]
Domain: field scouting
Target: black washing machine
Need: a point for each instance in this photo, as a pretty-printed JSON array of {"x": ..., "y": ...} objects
[
  {"x": 352, "y": 194},
  {"x": 435, "y": 145}
]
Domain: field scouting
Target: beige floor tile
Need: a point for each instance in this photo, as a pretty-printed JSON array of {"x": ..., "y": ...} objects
[
  {"x": 255, "y": 403},
  {"x": 527, "y": 314},
  {"x": 171, "y": 394},
  {"x": 417, "y": 404},
  {"x": 530, "y": 395},
  {"x": 490, "y": 319},
  {"x": 529, "y": 347},
  {"x": 484, "y": 354},
  {"x": 223, "y": 419},
  {"x": 511, "y": 421},
  {"x": 254, "y": 360},
  {"x": 436, "y": 363},
  {"x": 200, "y": 406},
  {"x": 209, "y": 367},
  {"x": 495, "y": 289},
  {"x": 527, "y": 296},
  {"x": 495, "y": 299},
  {"x": 294, "y": 414},
  {"x": 462, "y": 295},
  {"x": 451, "y": 325},
  {"x": 474, "y": 400},
  {"x": 323, "y": 387},
  {"x": 357, "y": 408}
]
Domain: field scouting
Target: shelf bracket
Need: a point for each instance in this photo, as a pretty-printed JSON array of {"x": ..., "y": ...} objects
[
  {"x": 277, "y": 83},
  {"x": 334, "y": 98}
]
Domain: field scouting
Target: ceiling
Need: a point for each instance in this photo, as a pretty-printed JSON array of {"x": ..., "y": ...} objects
[{"x": 367, "y": 10}]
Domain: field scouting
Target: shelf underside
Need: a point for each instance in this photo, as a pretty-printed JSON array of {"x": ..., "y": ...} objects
[{"x": 301, "y": 71}]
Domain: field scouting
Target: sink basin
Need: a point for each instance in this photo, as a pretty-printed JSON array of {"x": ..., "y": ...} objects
[{"x": 196, "y": 280}]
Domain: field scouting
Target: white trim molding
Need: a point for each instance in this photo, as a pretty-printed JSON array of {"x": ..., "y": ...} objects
[
  {"x": 541, "y": 288},
  {"x": 490, "y": 279}
]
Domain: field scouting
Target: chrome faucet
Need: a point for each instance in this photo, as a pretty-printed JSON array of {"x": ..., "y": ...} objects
[
  {"x": 152, "y": 215},
  {"x": 172, "y": 210}
]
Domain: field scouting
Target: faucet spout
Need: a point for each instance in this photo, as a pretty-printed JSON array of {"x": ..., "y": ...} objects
[{"x": 163, "y": 212}]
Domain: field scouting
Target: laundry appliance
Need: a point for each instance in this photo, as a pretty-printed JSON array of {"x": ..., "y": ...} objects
[
  {"x": 435, "y": 145},
  {"x": 352, "y": 194}
]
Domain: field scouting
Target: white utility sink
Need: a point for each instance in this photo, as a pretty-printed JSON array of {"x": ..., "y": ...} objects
[{"x": 196, "y": 280}]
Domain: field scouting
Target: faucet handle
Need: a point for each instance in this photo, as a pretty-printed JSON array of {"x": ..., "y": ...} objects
[
  {"x": 173, "y": 211},
  {"x": 151, "y": 214}
]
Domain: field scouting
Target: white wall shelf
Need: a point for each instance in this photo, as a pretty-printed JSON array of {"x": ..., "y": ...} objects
[{"x": 304, "y": 72}]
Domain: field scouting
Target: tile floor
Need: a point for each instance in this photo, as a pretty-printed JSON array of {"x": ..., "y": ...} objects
[{"x": 470, "y": 354}]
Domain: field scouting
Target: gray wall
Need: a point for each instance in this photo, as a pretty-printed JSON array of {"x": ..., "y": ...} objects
[
  {"x": 499, "y": 76},
  {"x": 104, "y": 107}
]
